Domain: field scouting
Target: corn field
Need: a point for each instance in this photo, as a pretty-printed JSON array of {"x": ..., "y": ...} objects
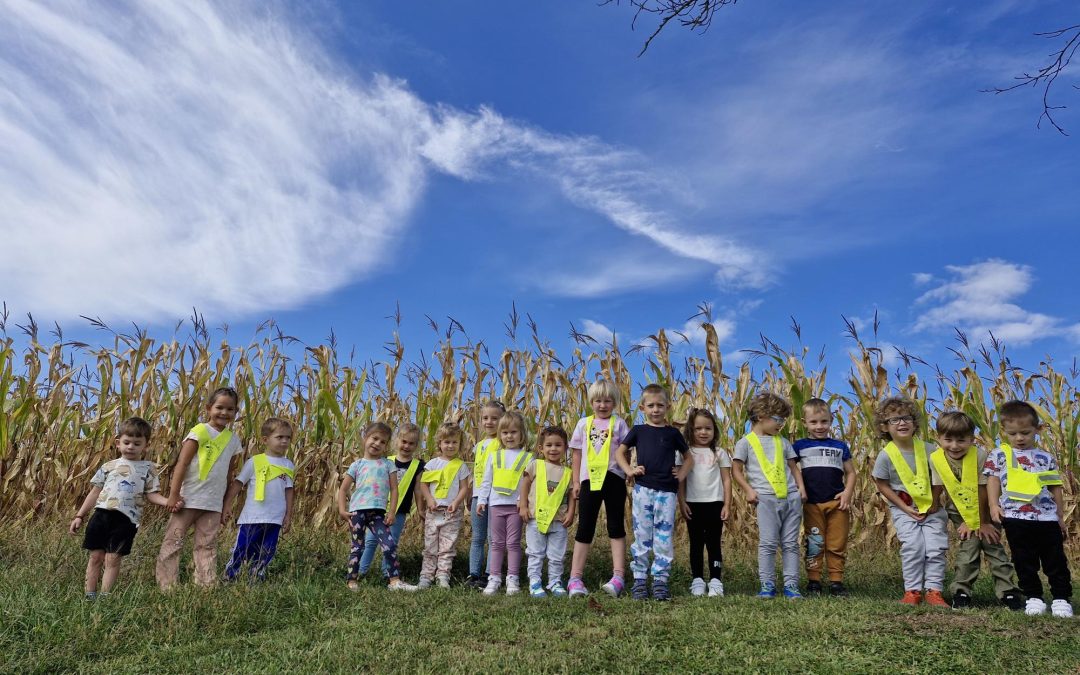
[{"x": 62, "y": 402}]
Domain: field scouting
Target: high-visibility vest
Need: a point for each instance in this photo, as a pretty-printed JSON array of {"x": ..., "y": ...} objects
[
  {"x": 916, "y": 484},
  {"x": 403, "y": 484},
  {"x": 505, "y": 476},
  {"x": 776, "y": 470},
  {"x": 598, "y": 462},
  {"x": 481, "y": 452},
  {"x": 265, "y": 471},
  {"x": 443, "y": 478},
  {"x": 1021, "y": 484},
  {"x": 548, "y": 503},
  {"x": 965, "y": 491},
  {"x": 210, "y": 449}
]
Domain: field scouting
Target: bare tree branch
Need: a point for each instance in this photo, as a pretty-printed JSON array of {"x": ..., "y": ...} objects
[
  {"x": 1047, "y": 75},
  {"x": 692, "y": 14}
]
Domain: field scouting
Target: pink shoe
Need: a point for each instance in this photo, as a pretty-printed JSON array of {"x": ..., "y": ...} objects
[
  {"x": 614, "y": 587},
  {"x": 577, "y": 588}
]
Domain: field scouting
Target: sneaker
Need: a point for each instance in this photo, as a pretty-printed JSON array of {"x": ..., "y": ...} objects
[
  {"x": 536, "y": 589},
  {"x": 513, "y": 587},
  {"x": 352, "y": 585},
  {"x": 911, "y": 598},
  {"x": 1035, "y": 607},
  {"x": 813, "y": 588},
  {"x": 934, "y": 598},
  {"x": 660, "y": 591},
  {"x": 614, "y": 587},
  {"x": 838, "y": 590},
  {"x": 1013, "y": 601},
  {"x": 423, "y": 584},
  {"x": 400, "y": 585},
  {"x": 716, "y": 588},
  {"x": 493, "y": 585},
  {"x": 1061, "y": 609},
  {"x": 791, "y": 592},
  {"x": 961, "y": 600},
  {"x": 444, "y": 582},
  {"x": 697, "y": 587},
  {"x": 639, "y": 591},
  {"x": 472, "y": 581},
  {"x": 577, "y": 588},
  {"x": 557, "y": 589},
  {"x": 90, "y": 595},
  {"x": 768, "y": 590}
]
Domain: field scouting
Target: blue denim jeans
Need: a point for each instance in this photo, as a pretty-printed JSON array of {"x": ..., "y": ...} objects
[
  {"x": 477, "y": 559},
  {"x": 371, "y": 545}
]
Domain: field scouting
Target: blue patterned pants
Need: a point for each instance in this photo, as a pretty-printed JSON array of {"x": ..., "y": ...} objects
[
  {"x": 654, "y": 529},
  {"x": 374, "y": 520}
]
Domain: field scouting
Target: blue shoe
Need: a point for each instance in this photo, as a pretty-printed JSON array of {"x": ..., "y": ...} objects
[
  {"x": 557, "y": 589},
  {"x": 660, "y": 591},
  {"x": 640, "y": 591},
  {"x": 536, "y": 590},
  {"x": 768, "y": 590},
  {"x": 791, "y": 592}
]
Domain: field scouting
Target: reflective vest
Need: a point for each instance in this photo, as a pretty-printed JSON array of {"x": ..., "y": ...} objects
[
  {"x": 403, "y": 485},
  {"x": 443, "y": 478},
  {"x": 1021, "y": 484},
  {"x": 965, "y": 491},
  {"x": 481, "y": 452},
  {"x": 598, "y": 462},
  {"x": 547, "y": 504},
  {"x": 265, "y": 472},
  {"x": 505, "y": 476},
  {"x": 776, "y": 470},
  {"x": 210, "y": 449},
  {"x": 916, "y": 484}
]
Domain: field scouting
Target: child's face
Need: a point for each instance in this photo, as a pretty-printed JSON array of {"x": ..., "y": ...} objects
[
  {"x": 221, "y": 412},
  {"x": 1020, "y": 433},
  {"x": 554, "y": 449},
  {"x": 375, "y": 445},
  {"x": 770, "y": 425},
  {"x": 818, "y": 423},
  {"x": 512, "y": 437},
  {"x": 489, "y": 420},
  {"x": 131, "y": 448},
  {"x": 899, "y": 424},
  {"x": 449, "y": 448},
  {"x": 655, "y": 407},
  {"x": 956, "y": 446},
  {"x": 703, "y": 431},
  {"x": 407, "y": 443},
  {"x": 277, "y": 443},
  {"x": 603, "y": 407}
]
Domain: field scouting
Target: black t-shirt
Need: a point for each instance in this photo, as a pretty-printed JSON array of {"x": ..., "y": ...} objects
[
  {"x": 406, "y": 503},
  {"x": 656, "y": 448}
]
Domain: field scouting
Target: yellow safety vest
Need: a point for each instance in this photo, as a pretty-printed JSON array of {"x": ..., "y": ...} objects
[
  {"x": 403, "y": 484},
  {"x": 965, "y": 491},
  {"x": 265, "y": 472},
  {"x": 547, "y": 504},
  {"x": 210, "y": 449},
  {"x": 505, "y": 477},
  {"x": 776, "y": 470},
  {"x": 481, "y": 452},
  {"x": 1021, "y": 484},
  {"x": 443, "y": 478},
  {"x": 916, "y": 484},
  {"x": 598, "y": 462}
]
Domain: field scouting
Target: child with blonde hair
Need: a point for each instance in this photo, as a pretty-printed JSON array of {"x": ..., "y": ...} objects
[
  {"x": 545, "y": 505},
  {"x": 445, "y": 487},
  {"x": 500, "y": 490},
  {"x": 490, "y": 413}
]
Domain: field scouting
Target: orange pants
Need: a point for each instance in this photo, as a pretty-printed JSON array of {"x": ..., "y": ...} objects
[
  {"x": 206, "y": 524},
  {"x": 834, "y": 526}
]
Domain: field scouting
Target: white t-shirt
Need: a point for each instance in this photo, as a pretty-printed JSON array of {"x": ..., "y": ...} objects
[
  {"x": 272, "y": 508},
  {"x": 209, "y": 494},
  {"x": 703, "y": 483}
]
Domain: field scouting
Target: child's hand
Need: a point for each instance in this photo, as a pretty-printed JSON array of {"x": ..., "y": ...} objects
[
  {"x": 481, "y": 509},
  {"x": 567, "y": 520},
  {"x": 76, "y": 523},
  {"x": 226, "y": 516},
  {"x": 179, "y": 503},
  {"x": 524, "y": 513},
  {"x": 963, "y": 532},
  {"x": 989, "y": 534},
  {"x": 1064, "y": 529},
  {"x": 684, "y": 509},
  {"x": 345, "y": 515},
  {"x": 996, "y": 514},
  {"x": 724, "y": 513},
  {"x": 389, "y": 517},
  {"x": 914, "y": 514},
  {"x": 576, "y": 489},
  {"x": 639, "y": 470},
  {"x": 845, "y": 500},
  {"x": 752, "y": 497},
  {"x": 173, "y": 505},
  {"x": 802, "y": 495}
]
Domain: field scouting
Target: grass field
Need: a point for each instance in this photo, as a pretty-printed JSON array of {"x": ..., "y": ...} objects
[{"x": 304, "y": 620}]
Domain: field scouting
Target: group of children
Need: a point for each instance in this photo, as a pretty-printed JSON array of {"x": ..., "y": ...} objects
[{"x": 510, "y": 488}]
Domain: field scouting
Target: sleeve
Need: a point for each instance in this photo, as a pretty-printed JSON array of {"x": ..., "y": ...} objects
[
  {"x": 99, "y": 477},
  {"x": 236, "y": 446},
  {"x": 530, "y": 469},
  {"x": 288, "y": 480},
  {"x": 981, "y": 455},
  {"x": 630, "y": 439},
  {"x": 247, "y": 472},
  {"x": 621, "y": 430},
  {"x": 152, "y": 483},
  {"x": 352, "y": 471},
  {"x": 464, "y": 473},
  {"x": 935, "y": 476},
  {"x": 723, "y": 459},
  {"x": 680, "y": 442},
  {"x": 847, "y": 452},
  {"x": 678, "y": 459},
  {"x": 484, "y": 493},
  {"x": 1051, "y": 463},
  {"x": 789, "y": 450},
  {"x": 994, "y": 461},
  {"x": 742, "y": 450},
  {"x": 577, "y": 440},
  {"x": 881, "y": 466}
]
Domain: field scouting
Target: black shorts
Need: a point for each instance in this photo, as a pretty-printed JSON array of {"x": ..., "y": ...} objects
[
  {"x": 110, "y": 531},
  {"x": 612, "y": 494}
]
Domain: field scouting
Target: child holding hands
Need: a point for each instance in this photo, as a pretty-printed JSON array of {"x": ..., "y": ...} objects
[
  {"x": 546, "y": 507},
  {"x": 501, "y": 491},
  {"x": 446, "y": 488}
]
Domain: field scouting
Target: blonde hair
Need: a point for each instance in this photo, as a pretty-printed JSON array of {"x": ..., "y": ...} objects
[
  {"x": 816, "y": 405},
  {"x": 604, "y": 389},
  {"x": 767, "y": 404},
  {"x": 655, "y": 390},
  {"x": 447, "y": 431},
  {"x": 511, "y": 419},
  {"x": 272, "y": 424},
  {"x": 889, "y": 407}
]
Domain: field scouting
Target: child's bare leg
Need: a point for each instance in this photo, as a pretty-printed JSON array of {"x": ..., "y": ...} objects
[
  {"x": 112, "y": 570},
  {"x": 93, "y": 569},
  {"x": 618, "y": 557},
  {"x": 581, "y": 554}
]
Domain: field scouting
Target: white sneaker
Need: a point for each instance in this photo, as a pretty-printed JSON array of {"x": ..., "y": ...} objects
[
  {"x": 444, "y": 582},
  {"x": 402, "y": 586},
  {"x": 1035, "y": 607},
  {"x": 493, "y": 585},
  {"x": 513, "y": 586},
  {"x": 424, "y": 584},
  {"x": 697, "y": 587},
  {"x": 716, "y": 588},
  {"x": 1061, "y": 609}
]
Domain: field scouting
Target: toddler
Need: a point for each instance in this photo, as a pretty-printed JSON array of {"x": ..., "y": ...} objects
[
  {"x": 501, "y": 489},
  {"x": 445, "y": 486},
  {"x": 546, "y": 507}
]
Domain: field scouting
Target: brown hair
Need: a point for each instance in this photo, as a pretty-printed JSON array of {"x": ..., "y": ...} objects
[
  {"x": 891, "y": 405},
  {"x": 954, "y": 424},
  {"x": 1016, "y": 410},
  {"x": 223, "y": 391},
  {"x": 381, "y": 427},
  {"x": 494, "y": 403},
  {"x": 136, "y": 427},
  {"x": 654, "y": 390},
  {"x": 816, "y": 405},
  {"x": 767, "y": 404},
  {"x": 446, "y": 431},
  {"x": 688, "y": 428},
  {"x": 551, "y": 430},
  {"x": 272, "y": 424}
]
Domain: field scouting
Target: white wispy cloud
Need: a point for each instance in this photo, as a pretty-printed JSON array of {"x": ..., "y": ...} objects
[{"x": 597, "y": 331}]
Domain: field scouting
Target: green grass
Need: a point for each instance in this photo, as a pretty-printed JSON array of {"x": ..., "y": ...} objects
[{"x": 305, "y": 620}]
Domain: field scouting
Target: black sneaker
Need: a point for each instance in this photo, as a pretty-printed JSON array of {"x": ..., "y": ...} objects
[
  {"x": 961, "y": 600},
  {"x": 813, "y": 588},
  {"x": 473, "y": 581},
  {"x": 838, "y": 590},
  {"x": 1013, "y": 600}
]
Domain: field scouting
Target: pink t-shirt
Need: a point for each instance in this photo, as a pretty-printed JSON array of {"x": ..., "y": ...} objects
[{"x": 599, "y": 434}]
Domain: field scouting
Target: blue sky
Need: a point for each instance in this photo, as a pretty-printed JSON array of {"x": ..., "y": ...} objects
[{"x": 321, "y": 163}]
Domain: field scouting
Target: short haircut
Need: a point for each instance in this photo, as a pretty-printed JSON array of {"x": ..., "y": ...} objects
[
  {"x": 891, "y": 407},
  {"x": 272, "y": 424},
  {"x": 494, "y": 403},
  {"x": 816, "y": 405},
  {"x": 448, "y": 431},
  {"x": 688, "y": 428},
  {"x": 551, "y": 430},
  {"x": 655, "y": 390},
  {"x": 1016, "y": 410},
  {"x": 223, "y": 391},
  {"x": 604, "y": 389},
  {"x": 135, "y": 427},
  {"x": 513, "y": 419},
  {"x": 955, "y": 424},
  {"x": 767, "y": 404},
  {"x": 380, "y": 427}
]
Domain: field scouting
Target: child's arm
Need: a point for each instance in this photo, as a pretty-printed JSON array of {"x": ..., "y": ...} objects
[
  {"x": 793, "y": 467},
  {"x": 738, "y": 469},
  {"x": 159, "y": 499},
  {"x": 231, "y": 492},
  {"x": 993, "y": 499},
  {"x": 464, "y": 495},
  {"x": 343, "y": 497},
  {"x": 429, "y": 499},
  {"x": 890, "y": 495},
  {"x": 684, "y": 508},
  {"x": 575, "y": 471},
  {"x": 571, "y": 511},
  {"x": 523, "y": 496},
  {"x": 725, "y": 478},
  {"x": 188, "y": 450},
  {"x": 485, "y": 488},
  {"x": 391, "y": 509},
  {"x": 1058, "y": 494},
  {"x": 935, "y": 498},
  {"x": 684, "y": 469},
  {"x": 286, "y": 522},
  {"x": 84, "y": 509},
  {"x": 987, "y": 531},
  {"x": 849, "y": 485},
  {"x": 622, "y": 456}
]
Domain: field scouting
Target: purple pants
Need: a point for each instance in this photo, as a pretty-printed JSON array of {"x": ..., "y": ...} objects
[{"x": 504, "y": 540}]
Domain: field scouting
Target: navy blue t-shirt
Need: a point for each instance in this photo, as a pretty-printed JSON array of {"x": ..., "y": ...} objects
[
  {"x": 822, "y": 462},
  {"x": 656, "y": 448}
]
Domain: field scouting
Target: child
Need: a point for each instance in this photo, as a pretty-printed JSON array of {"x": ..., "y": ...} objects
[
  {"x": 654, "y": 481},
  {"x": 774, "y": 484},
  {"x": 367, "y": 499},
  {"x": 902, "y": 475},
  {"x": 956, "y": 466},
  {"x": 200, "y": 478},
  {"x": 701, "y": 499},
  {"x": 407, "y": 471},
  {"x": 445, "y": 487},
  {"x": 599, "y": 481},
  {"x": 1024, "y": 490},
  {"x": 268, "y": 505},
  {"x": 490, "y": 413},
  {"x": 120, "y": 487},
  {"x": 829, "y": 476},
  {"x": 546, "y": 506},
  {"x": 500, "y": 490}
]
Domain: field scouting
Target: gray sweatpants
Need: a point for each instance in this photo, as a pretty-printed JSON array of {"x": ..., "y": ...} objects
[
  {"x": 551, "y": 546},
  {"x": 923, "y": 545},
  {"x": 779, "y": 521}
]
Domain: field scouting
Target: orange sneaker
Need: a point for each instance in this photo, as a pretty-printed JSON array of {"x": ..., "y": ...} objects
[
  {"x": 911, "y": 598},
  {"x": 934, "y": 599}
]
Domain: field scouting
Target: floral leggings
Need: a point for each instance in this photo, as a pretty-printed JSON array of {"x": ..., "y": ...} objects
[{"x": 375, "y": 520}]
